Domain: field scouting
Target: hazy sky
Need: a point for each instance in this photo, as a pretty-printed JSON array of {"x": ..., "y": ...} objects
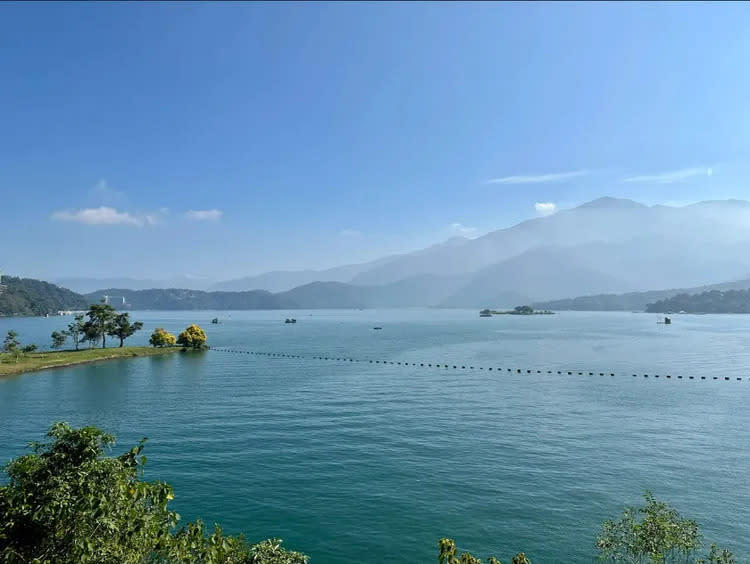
[{"x": 222, "y": 140}]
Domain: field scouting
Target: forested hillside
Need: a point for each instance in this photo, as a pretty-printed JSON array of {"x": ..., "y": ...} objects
[{"x": 26, "y": 296}]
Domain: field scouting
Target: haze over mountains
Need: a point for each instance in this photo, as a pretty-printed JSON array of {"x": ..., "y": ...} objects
[{"x": 605, "y": 246}]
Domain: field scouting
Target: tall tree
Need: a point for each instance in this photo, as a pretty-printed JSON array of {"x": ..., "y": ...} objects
[
  {"x": 101, "y": 322},
  {"x": 122, "y": 328},
  {"x": 58, "y": 339},
  {"x": 11, "y": 344},
  {"x": 76, "y": 329}
]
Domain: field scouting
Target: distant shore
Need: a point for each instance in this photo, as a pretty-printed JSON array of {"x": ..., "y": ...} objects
[{"x": 37, "y": 361}]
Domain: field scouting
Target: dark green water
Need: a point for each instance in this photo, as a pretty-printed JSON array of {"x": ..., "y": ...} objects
[{"x": 358, "y": 462}]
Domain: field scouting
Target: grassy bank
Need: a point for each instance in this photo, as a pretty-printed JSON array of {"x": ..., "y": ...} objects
[{"x": 32, "y": 362}]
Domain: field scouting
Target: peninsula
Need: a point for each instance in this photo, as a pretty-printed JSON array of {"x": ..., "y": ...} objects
[{"x": 35, "y": 361}]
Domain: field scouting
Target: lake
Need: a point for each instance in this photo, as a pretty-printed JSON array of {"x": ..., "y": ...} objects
[{"x": 371, "y": 462}]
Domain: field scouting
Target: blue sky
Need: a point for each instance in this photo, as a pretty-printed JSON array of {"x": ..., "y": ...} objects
[{"x": 222, "y": 140}]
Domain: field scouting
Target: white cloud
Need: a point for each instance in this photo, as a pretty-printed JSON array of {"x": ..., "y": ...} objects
[
  {"x": 670, "y": 177},
  {"x": 350, "y": 233},
  {"x": 463, "y": 230},
  {"x": 204, "y": 215},
  {"x": 102, "y": 216},
  {"x": 545, "y": 208},
  {"x": 538, "y": 178}
]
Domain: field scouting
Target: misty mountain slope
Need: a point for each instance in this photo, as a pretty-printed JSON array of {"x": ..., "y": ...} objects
[
  {"x": 325, "y": 295},
  {"x": 545, "y": 271},
  {"x": 646, "y": 247},
  {"x": 606, "y": 245},
  {"x": 646, "y": 262},
  {"x": 416, "y": 291},
  {"x": 283, "y": 280},
  {"x": 606, "y": 219}
]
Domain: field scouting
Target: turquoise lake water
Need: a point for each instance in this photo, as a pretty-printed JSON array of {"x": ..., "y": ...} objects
[{"x": 358, "y": 462}]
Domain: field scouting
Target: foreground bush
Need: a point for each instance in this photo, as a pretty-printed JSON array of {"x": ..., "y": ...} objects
[
  {"x": 162, "y": 338},
  {"x": 193, "y": 338},
  {"x": 68, "y": 503}
]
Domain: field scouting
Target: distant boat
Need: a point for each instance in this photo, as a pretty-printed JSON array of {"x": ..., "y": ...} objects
[
  {"x": 665, "y": 321},
  {"x": 215, "y": 320},
  {"x": 292, "y": 320},
  {"x": 377, "y": 328},
  {"x": 485, "y": 313}
]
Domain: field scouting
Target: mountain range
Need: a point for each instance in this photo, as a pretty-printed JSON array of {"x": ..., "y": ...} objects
[{"x": 606, "y": 246}]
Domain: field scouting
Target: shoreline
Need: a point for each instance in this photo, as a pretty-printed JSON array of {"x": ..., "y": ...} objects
[{"x": 40, "y": 361}]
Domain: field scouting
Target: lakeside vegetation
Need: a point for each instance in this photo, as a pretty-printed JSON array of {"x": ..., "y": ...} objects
[
  {"x": 714, "y": 301},
  {"x": 67, "y": 502},
  {"x": 103, "y": 320}
]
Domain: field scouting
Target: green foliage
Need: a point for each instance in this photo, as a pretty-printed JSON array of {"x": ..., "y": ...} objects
[
  {"x": 654, "y": 533},
  {"x": 58, "y": 339},
  {"x": 25, "y": 296},
  {"x": 28, "y": 349},
  {"x": 76, "y": 329},
  {"x": 101, "y": 323},
  {"x": 122, "y": 328},
  {"x": 193, "y": 337},
  {"x": 523, "y": 310},
  {"x": 448, "y": 554},
  {"x": 12, "y": 345},
  {"x": 68, "y": 503},
  {"x": 162, "y": 338}
]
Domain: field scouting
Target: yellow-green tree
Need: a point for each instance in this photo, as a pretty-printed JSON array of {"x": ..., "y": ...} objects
[
  {"x": 162, "y": 338},
  {"x": 193, "y": 337}
]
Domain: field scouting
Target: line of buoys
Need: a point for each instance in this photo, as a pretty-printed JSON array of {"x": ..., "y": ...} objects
[{"x": 457, "y": 366}]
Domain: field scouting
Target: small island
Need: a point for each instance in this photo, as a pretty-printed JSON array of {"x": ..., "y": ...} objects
[{"x": 518, "y": 310}]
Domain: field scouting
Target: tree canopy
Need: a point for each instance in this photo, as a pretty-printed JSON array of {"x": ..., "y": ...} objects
[
  {"x": 76, "y": 329},
  {"x": 122, "y": 328},
  {"x": 12, "y": 345},
  {"x": 101, "y": 322},
  {"x": 58, "y": 339},
  {"x": 193, "y": 337},
  {"x": 162, "y": 338}
]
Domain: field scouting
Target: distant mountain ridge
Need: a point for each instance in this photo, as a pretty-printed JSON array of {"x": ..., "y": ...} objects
[{"x": 606, "y": 246}]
